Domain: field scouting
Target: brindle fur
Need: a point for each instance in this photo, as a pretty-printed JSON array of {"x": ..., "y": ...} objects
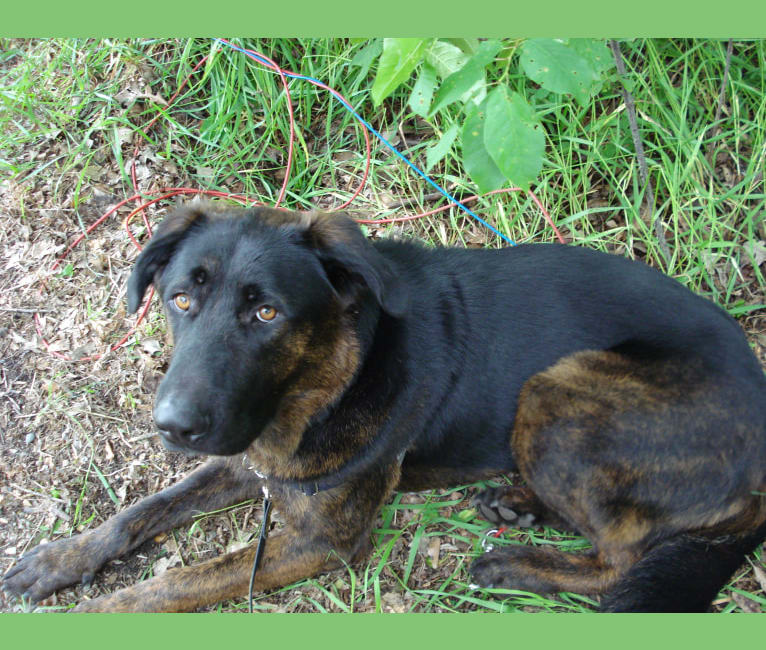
[{"x": 634, "y": 411}]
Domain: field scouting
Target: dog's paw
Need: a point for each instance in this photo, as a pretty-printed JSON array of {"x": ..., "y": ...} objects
[
  {"x": 101, "y": 604},
  {"x": 493, "y": 571},
  {"x": 508, "y": 506},
  {"x": 49, "y": 567},
  {"x": 515, "y": 507}
]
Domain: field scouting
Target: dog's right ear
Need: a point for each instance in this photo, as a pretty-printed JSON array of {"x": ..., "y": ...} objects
[
  {"x": 350, "y": 260},
  {"x": 157, "y": 253}
]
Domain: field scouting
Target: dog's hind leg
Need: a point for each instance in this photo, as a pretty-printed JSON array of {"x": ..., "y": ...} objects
[
  {"x": 682, "y": 574},
  {"x": 653, "y": 460},
  {"x": 701, "y": 564},
  {"x": 49, "y": 567},
  {"x": 545, "y": 570}
]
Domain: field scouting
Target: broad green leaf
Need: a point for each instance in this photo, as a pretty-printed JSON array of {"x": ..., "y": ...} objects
[
  {"x": 598, "y": 56},
  {"x": 467, "y": 45},
  {"x": 399, "y": 58},
  {"x": 595, "y": 52},
  {"x": 365, "y": 57},
  {"x": 440, "y": 149},
  {"x": 558, "y": 68},
  {"x": 445, "y": 58},
  {"x": 454, "y": 87},
  {"x": 469, "y": 78},
  {"x": 514, "y": 137},
  {"x": 487, "y": 52},
  {"x": 423, "y": 92},
  {"x": 476, "y": 159}
]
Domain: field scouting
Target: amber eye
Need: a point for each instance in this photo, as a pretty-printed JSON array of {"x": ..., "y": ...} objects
[
  {"x": 182, "y": 301},
  {"x": 266, "y": 313}
]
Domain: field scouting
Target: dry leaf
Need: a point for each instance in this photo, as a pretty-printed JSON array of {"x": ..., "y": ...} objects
[
  {"x": 746, "y": 604},
  {"x": 392, "y": 602},
  {"x": 151, "y": 346},
  {"x": 160, "y": 566},
  {"x": 760, "y": 576},
  {"x": 433, "y": 551},
  {"x": 756, "y": 249}
]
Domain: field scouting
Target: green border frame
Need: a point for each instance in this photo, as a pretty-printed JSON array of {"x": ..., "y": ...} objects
[
  {"x": 441, "y": 631},
  {"x": 656, "y": 18}
]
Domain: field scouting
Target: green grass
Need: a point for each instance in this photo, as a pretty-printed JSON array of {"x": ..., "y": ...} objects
[
  {"x": 228, "y": 130},
  {"x": 62, "y": 121}
]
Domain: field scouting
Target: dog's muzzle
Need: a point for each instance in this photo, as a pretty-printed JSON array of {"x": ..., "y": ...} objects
[{"x": 181, "y": 423}]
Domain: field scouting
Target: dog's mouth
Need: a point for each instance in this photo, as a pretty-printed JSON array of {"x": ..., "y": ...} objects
[
  {"x": 183, "y": 449},
  {"x": 206, "y": 442},
  {"x": 191, "y": 425}
]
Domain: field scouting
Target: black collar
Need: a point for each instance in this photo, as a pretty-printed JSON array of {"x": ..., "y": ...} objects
[{"x": 320, "y": 483}]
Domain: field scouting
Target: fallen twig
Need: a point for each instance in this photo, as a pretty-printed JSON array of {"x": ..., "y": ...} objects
[
  {"x": 721, "y": 96},
  {"x": 27, "y": 310},
  {"x": 643, "y": 169},
  {"x": 407, "y": 202}
]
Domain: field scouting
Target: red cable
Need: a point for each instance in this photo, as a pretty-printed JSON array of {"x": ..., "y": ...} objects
[
  {"x": 468, "y": 200},
  {"x": 282, "y": 72},
  {"x": 171, "y": 192}
]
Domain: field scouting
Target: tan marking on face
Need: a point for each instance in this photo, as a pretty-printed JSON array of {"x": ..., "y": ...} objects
[{"x": 327, "y": 370}]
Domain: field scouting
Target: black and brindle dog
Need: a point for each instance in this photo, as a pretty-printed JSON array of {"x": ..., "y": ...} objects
[{"x": 341, "y": 370}]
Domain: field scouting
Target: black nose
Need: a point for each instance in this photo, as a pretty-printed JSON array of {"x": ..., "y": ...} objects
[{"x": 179, "y": 421}]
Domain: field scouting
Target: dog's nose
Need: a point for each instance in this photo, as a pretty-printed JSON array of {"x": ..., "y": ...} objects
[{"x": 179, "y": 422}]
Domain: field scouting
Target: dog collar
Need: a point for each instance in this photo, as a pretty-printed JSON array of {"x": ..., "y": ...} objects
[{"x": 310, "y": 487}]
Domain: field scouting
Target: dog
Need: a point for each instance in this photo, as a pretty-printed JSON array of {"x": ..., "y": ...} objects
[{"x": 333, "y": 371}]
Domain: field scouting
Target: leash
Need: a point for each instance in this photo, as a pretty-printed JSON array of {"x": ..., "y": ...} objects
[{"x": 261, "y": 544}]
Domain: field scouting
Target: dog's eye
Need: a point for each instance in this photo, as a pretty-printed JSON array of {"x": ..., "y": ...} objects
[
  {"x": 182, "y": 301},
  {"x": 266, "y": 313}
]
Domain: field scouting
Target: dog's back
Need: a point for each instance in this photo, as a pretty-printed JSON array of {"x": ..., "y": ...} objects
[
  {"x": 509, "y": 314},
  {"x": 638, "y": 412}
]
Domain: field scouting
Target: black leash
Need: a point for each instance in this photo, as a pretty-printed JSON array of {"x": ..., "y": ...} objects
[{"x": 261, "y": 544}]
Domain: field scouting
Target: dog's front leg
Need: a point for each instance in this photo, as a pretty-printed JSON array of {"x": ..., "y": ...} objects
[
  {"x": 321, "y": 533},
  {"x": 287, "y": 558},
  {"x": 49, "y": 567}
]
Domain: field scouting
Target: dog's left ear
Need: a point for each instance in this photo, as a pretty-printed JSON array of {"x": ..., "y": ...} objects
[
  {"x": 350, "y": 260},
  {"x": 157, "y": 253}
]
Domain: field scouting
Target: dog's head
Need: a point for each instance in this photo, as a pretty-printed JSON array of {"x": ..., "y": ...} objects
[{"x": 262, "y": 305}]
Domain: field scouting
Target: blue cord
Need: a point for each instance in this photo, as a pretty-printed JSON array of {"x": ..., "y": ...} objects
[{"x": 382, "y": 139}]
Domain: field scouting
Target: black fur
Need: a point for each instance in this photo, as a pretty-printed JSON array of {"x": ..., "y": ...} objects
[{"x": 682, "y": 574}]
